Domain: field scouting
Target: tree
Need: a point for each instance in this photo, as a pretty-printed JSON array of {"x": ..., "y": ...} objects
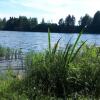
[
  {"x": 43, "y": 21},
  {"x": 73, "y": 21},
  {"x": 95, "y": 26},
  {"x": 33, "y": 23},
  {"x": 10, "y": 24},
  {"x": 64, "y": 25},
  {"x": 3, "y": 23},
  {"x": 85, "y": 21},
  {"x": 61, "y": 21},
  {"x": 24, "y": 24},
  {"x": 0, "y": 24},
  {"x": 96, "y": 19},
  {"x": 70, "y": 20}
]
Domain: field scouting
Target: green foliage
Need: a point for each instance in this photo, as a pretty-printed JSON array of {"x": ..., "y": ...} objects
[
  {"x": 8, "y": 81},
  {"x": 7, "y": 53},
  {"x": 96, "y": 22},
  {"x": 60, "y": 73},
  {"x": 49, "y": 40},
  {"x": 70, "y": 20},
  {"x": 85, "y": 21},
  {"x": 56, "y": 74},
  {"x": 66, "y": 25}
]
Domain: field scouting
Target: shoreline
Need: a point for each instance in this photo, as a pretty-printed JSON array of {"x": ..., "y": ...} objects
[{"x": 98, "y": 33}]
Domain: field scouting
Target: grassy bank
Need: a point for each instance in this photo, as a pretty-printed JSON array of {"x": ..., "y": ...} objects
[{"x": 72, "y": 73}]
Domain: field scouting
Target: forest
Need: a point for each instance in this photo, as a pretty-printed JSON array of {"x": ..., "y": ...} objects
[{"x": 22, "y": 23}]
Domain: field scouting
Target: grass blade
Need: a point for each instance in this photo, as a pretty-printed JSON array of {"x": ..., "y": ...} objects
[
  {"x": 55, "y": 47},
  {"x": 49, "y": 40},
  {"x": 75, "y": 45},
  {"x": 77, "y": 51}
]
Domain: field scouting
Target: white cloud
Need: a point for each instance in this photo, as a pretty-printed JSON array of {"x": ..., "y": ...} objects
[{"x": 55, "y": 9}]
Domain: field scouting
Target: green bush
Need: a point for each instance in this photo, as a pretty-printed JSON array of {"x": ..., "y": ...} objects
[{"x": 49, "y": 72}]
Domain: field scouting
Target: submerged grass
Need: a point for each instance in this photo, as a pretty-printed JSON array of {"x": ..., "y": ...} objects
[
  {"x": 72, "y": 73},
  {"x": 7, "y": 53}
]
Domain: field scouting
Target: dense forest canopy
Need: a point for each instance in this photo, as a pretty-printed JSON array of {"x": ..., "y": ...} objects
[{"x": 90, "y": 25}]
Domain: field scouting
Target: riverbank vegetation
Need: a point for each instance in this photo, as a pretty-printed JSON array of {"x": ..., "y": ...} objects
[
  {"x": 72, "y": 73},
  {"x": 67, "y": 25},
  {"x": 7, "y": 53}
]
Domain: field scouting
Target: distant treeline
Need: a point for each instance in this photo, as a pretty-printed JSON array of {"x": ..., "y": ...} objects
[{"x": 90, "y": 25}]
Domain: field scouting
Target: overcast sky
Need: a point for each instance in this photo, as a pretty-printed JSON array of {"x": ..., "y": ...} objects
[{"x": 51, "y": 10}]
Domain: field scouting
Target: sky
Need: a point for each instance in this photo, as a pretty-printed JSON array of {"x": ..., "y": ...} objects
[{"x": 50, "y": 10}]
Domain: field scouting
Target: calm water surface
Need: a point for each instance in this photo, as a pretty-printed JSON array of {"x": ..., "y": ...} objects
[{"x": 39, "y": 41}]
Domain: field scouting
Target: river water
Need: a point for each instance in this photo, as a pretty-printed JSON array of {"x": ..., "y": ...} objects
[{"x": 38, "y": 41}]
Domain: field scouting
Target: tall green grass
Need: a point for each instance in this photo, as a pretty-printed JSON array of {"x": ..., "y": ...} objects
[
  {"x": 7, "y": 53},
  {"x": 53, "y": 72},
  {"x": 72, "y": 73}
]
